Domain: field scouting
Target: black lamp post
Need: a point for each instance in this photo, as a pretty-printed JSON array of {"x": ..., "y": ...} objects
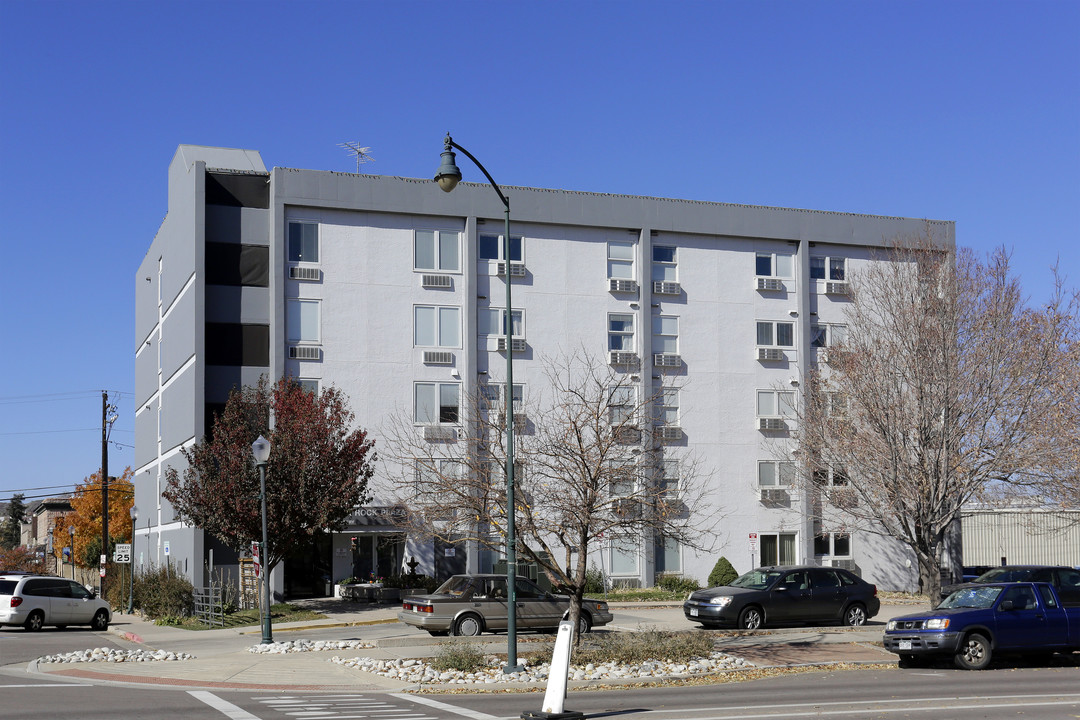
[
  {"x": 448, "y": 176},
  {"x": 261, "y": 450},
  {"x": 134, "y": 512}
]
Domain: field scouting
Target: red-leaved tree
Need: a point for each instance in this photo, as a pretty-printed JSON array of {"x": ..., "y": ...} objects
[{"x": 318, "y": 470}]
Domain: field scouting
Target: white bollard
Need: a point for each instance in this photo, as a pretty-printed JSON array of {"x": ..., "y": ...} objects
[{"x": 557, "y": 679}]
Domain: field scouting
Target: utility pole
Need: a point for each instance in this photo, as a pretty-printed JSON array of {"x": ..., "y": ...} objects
[{"x": 104, "y": 484}]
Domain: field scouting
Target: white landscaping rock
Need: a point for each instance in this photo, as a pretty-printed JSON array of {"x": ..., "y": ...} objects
[{"x": 114, "y": 655}]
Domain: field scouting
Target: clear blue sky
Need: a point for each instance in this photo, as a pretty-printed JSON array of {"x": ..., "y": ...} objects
[{"x": 964, "y": 111}]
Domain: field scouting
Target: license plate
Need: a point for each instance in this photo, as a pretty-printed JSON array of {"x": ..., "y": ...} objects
[
  {"x": 905, "y": 645},
  {"x": 693, "y": 612}
]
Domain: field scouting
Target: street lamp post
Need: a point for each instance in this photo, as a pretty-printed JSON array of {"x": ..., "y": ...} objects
[
  {"x": 51, "y": 549},
  {"x": 261, "y": 450},
  {"x": 448, "y": 176},
  {"x": 71, "y": 548},
  {"x": 134, "y": 512}
]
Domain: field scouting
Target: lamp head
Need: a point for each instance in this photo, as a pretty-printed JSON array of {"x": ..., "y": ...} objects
[
  {"x": 71, "y": 530},
  {"x": 448, "y": 175},
  {"x": 134, "y": 513},
  {"x": 261, "y": 450}
]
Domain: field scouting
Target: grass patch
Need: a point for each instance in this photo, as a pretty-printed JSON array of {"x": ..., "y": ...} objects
[
  {"x": 280, "y": 613},
  {"x": 633, "y": 648}
]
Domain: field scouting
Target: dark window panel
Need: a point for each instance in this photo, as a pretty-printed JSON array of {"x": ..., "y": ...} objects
[{"x": 243, "y": 265}]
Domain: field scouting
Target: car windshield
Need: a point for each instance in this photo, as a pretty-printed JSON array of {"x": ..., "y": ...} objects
[
  {"x": 457, "y": 586},
  {"x": 756, "y": 579},
  {"x": 972, "y": 597},
  {"x": 1004, "y": 575}
]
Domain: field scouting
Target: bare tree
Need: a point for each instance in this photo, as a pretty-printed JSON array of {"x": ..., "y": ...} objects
[
  {"x": 948, "y": 385},
  {"x": 589, "y": 471}
]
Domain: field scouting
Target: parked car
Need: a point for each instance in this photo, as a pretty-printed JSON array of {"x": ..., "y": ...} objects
[
  {"x": 785, "y": 594},
  {"x": 981, "y": 619},
  {"x": 473, "y": 604},
  {"x": 1065, "y": 579},
  {"x": 34, "y": 601}
]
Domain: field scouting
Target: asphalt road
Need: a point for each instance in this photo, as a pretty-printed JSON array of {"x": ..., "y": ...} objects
[{"x": 20, "y": 646}]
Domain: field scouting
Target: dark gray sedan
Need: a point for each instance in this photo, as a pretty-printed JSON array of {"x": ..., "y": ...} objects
[
  {"x": 785, "y": 595},
  {"x": 472, "y": 604}
]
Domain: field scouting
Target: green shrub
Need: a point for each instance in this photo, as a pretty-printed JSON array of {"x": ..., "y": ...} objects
[
  {"x": 594, "y": 580},
  {"x": 677, "y": 584},
  {"x": 722, "y": 573},
  {"x": 161, "y": 592},
  {"x": 466, "y": 657}
]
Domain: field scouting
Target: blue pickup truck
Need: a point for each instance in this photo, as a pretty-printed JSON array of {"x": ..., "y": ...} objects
[{"x": 979, "y": 620}]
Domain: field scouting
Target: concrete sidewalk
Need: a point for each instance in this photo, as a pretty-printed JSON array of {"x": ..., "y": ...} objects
[{"x": 223, "y": 661}]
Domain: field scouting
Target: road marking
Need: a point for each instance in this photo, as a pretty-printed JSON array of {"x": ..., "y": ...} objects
[
  {"x": 338, "y": 707},
  {"x": 471, "y": 714},
  {"x": 50, "y": 685},
  {"x": 225, "y": 707}
]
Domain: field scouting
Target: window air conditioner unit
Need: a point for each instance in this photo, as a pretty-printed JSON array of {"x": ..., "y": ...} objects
[
  {"x": 436, "y": 281},
  {"x": 621, "y": 357},
  {"x": 667, "y": 360},
  {"x": 770, "y": 354},
  {"x": 773, "y": 495},
  {"x": 516, "y": 344},
  {"x": 771, "y": 423},
  {"x": 440, "y": 432},
  {"x": 622, "y": 286},
  {"x": 520, "y": 421},
  {"x": 516, "y": 269},
  {"x": 823, "y": 355},
  {"x": 303, "y": 352},
  {"x": 304, "y": 273},
  {"x": 627, "y": 435},
  {"x": 837, "y": 288},
  {"x": 845, "y": 565},
  {"x": 438, "y": 357},
  {"x": 670, "y": 433},
  {"x": 764, "y": 283},
  {"x": 666, "y": 288}
]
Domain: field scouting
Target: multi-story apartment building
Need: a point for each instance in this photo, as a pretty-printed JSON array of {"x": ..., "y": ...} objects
[{"x": 393, "y": 291}]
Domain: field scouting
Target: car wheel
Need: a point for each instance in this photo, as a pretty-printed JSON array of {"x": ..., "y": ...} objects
[
  {"x": 855, "y": 615},
  {"x": 584, "y": 623},
  {"x": 974, "y": 653},
  {"x": 751, "y": 618},
  {"x": 35, "y": 622},
  {"x": 100, "y": 621},
  {"x": 468, "y": 625}
]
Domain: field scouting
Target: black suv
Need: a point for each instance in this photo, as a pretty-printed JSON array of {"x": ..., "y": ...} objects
[{"x": 1065, "y": 579}]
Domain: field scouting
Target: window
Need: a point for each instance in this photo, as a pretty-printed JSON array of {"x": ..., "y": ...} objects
[
  {"x": 309, "y": 385},
  {"x": 493, "y": 393},
  {"x": 621, "y": 332},
  {"x": 668, "y": 406},
  {"x": 776, "y": 403},
  {"x": 237, "y": 344},
  {"x": 668, "y": 555},
  {"x": 624, "y": 556},
  {"x": 620, "y": 260},
  {"x": 237, "y": 265},
  {"x": 430, "y": 472},
  {"x": 435, "y": 326},
  {"x": 779, "y": 265},
  {"x": 829, "y": 477},
  {"x": 669, "y": 480},
  {"x": 437, "y": 250},
  {"x": 777, "y": 549},
  {"x": 492, "y": 321},
  {"x": 828, "y": 268},
  {"x": 302, "y": 321},
  {"x": 436, "y": 403},
  {"x": 775, "y": 334},
  {"x": 621, "y": 404},
  {"x": 827, "y": 335},
  {"x": 775, "y": 473},
  {"x": 665, "y": 334},
  {"x": 303, "y": 242},
  {"x": 490, "y": 247},
  {"x": 832, "y": 544},
  {"x": 837, "y": 404},
  {"x": 663, "y": 264}
]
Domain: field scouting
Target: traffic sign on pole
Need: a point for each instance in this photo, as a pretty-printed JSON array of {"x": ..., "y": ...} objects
[{"x": 122, "y": 553}]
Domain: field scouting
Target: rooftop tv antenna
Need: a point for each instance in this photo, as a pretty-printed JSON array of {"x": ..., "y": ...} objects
[{"x": 361, "y": 153}]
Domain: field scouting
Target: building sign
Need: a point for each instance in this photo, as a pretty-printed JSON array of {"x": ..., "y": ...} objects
[{"x": 376, "y": 516}]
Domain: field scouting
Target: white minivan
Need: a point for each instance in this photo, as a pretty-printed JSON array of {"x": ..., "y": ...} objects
[{"x": 34, "y": 601}]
